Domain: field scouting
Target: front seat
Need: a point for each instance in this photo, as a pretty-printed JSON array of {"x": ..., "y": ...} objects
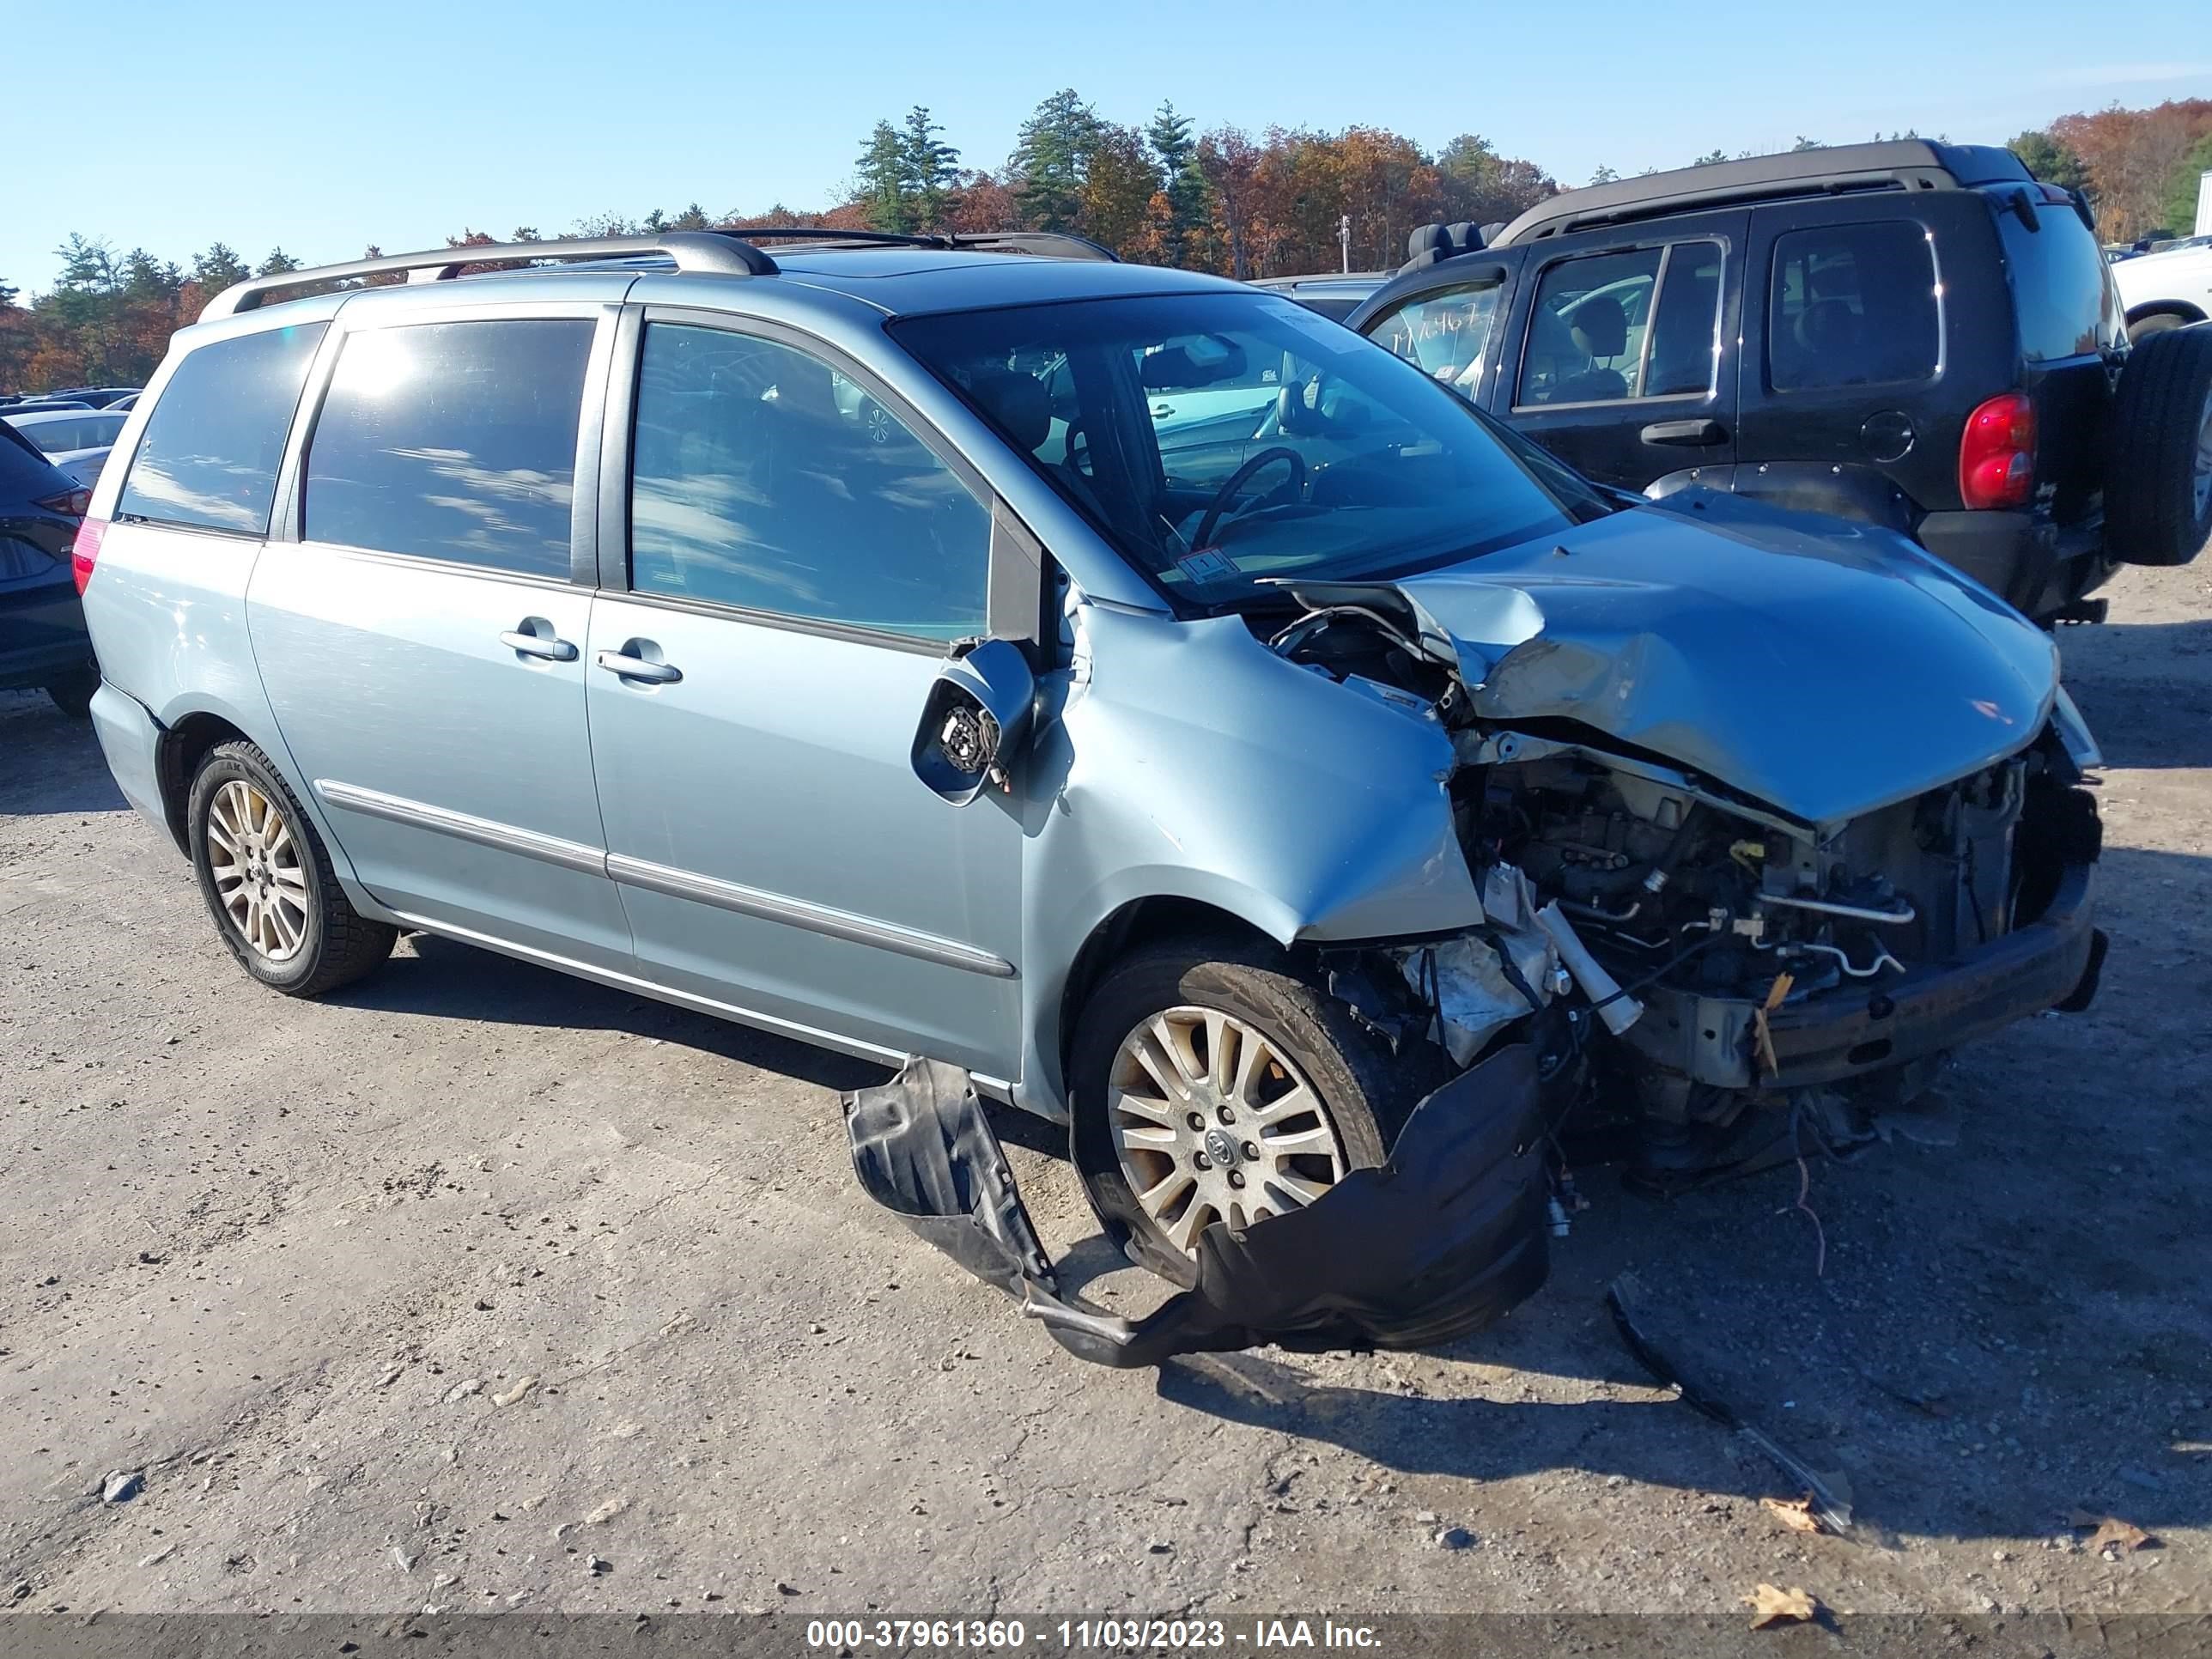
[{"x": 1600, "y": 330}]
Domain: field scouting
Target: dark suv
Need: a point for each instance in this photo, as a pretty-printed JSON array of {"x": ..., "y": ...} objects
[{"x": 1915, "y": 334}]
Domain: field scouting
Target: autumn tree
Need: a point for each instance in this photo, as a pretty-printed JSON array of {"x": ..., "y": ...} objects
[
  {"x": 2179, "y": 210},
  {"x": 2049, "y": 161},
  {"x": 2131, "y": 157}
]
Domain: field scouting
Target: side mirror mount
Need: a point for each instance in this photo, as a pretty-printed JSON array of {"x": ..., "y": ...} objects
[{"x": 974, "y": 720}]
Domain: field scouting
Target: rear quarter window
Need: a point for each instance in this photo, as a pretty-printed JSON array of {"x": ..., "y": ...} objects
[
  {"x": 2058, "y": 281},
  {"x": 210, "y": 452},
  {"x": 1853, "y": 305}
]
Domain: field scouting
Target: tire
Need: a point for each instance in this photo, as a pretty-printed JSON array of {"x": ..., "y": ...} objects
[
  {"x": 315, "y": 940},
  {"x": 2158, "y": 488},
  {"x": 1362, "y": 1093},
  {"x": 2157, "y": 323},
  {"x": 72, "y": 692}
]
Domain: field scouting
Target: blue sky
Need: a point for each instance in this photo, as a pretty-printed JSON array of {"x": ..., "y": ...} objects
[{"x": 323, "y": 127}]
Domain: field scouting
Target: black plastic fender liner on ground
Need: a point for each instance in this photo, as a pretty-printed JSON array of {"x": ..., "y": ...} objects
[{"x": 1446, "y": 1236}]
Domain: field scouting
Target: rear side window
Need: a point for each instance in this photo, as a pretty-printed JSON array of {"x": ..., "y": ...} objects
[
  {"x": 2057, "y": 274},
  {"x": 74, "y": 431},
  {"x": 1852, "y": 305},
  {"x": 763, "y": 479},
  {"x": 208, "y": 455},
  {"x": 454, "y": 441},
  {"x": 1609, "y": 326},
  {"x": 1446, "y": 333}
]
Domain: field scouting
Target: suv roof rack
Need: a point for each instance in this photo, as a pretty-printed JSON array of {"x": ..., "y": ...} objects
[
  {"x": 715, "y": 252},
  {"x": 1897, "y": 164},
  {"x": 1048, "y": 244}
]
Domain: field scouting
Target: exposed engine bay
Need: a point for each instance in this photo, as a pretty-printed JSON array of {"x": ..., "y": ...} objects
[{"x": 1682, "y": 955}]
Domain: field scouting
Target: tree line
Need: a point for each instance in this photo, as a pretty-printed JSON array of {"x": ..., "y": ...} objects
[
  {"x": 2139, "y": 167},
  {"x": 1289, "y": 201}
]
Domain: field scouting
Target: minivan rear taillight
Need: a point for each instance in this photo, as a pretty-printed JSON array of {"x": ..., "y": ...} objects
[
  {"x": 85, "y": 553},
  {"x": 1997, "y": 453}
]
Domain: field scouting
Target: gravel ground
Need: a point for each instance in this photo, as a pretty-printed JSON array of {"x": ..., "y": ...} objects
[{"x": 477, "y": 1287}]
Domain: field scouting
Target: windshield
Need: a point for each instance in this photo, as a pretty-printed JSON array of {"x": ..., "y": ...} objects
[{"x": 1220, "y": 440}]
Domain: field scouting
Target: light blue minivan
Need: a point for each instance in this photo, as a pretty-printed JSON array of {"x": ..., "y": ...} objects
[{"x": 1136, "y": 691}]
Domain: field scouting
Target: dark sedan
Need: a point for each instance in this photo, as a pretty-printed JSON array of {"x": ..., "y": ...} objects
[{"x": 42, "y": 638}]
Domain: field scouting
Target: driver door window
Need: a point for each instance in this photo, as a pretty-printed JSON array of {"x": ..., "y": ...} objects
[
  {"x": 765, "y": 480},
  {"x": 1446, "y": 334}
]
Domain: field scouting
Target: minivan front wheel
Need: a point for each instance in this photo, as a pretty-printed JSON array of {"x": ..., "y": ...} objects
[
  {"x": 1214, "y": 1085},
  {"x": 267, "y": 880}
]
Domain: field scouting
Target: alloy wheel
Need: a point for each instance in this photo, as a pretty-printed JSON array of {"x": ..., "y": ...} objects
[
  {"x": 1211, "y": 1122},
  {"x": 254, "y": 858}
]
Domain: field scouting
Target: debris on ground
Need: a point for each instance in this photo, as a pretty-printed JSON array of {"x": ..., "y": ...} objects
[
  {"x": 1829, "y": 1494},
  {"x": 606, "y": 1511},
  {"x": 510, "y": 1395},
  {"x": 461, "y": 1391},
  {"x": 1771, "y": 1606},
  {"x": 1795, "y": 1513},
  {"x": 1454, "y": 1538},
  {"x": 2111, "y": 1534},
  {"x": 121, "y": 1485}
]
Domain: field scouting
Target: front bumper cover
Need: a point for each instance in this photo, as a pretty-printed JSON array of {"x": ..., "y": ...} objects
[
  {"x": 2051, "y": 962},
  {"x": 1446, "y": 1236}
]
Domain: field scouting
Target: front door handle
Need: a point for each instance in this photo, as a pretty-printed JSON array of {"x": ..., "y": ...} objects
[
  {"x": 1697, "y": 435},
  {"x": 538, "y": 644},
  {"x": 637, "y": 668}
]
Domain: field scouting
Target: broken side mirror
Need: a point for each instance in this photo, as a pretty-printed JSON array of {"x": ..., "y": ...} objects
[{"x": 974, "y": 720}]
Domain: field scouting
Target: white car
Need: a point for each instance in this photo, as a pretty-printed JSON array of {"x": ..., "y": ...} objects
[
  {"x": 75, "y": 440},
  {"x": 2170, "y": 289}
]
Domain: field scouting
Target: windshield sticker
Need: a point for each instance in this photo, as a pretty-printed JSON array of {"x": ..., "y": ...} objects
[{"x": 1208, "y": 565}]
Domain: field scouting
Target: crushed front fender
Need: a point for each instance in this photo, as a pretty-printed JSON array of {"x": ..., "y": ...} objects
[{"x": 1447, "y": 1234}]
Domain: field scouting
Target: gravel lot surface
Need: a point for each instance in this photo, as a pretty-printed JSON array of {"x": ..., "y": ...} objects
[{"x": 478, "y": 1287}]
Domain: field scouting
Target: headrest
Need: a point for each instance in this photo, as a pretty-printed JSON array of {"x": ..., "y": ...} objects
[
  {"x": 1827, "y": 325},
  {"x": 1432, "y": 243},
  {"x": 1601, "y": 327},
  {"x": 1018, "y": 404}
]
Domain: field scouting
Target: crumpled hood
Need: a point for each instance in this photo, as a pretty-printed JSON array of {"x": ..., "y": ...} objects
[{"x": 1823, "y": 667}]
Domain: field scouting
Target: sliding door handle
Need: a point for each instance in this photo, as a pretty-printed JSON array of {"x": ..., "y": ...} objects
[
  {"x": 538, "y": 644},
  {"x": 637, "y": 668}
]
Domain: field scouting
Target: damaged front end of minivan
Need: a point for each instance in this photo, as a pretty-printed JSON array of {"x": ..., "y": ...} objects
[{"x": 1758, "y": 843}]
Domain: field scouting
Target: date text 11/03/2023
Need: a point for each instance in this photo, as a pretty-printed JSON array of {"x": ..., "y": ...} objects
[{"x": 1083, "y": 1635}]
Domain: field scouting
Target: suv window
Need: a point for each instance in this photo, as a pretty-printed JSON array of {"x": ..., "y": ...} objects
[
  {"x": 763, "y": 479},
  {"x": 2058, "y": 282},
  {"x": 1597, "y": 334},
  {"x": 208, "y": 455},
  {"x": 454, "y": 441},
  {"x": 1447, "y": 333},
  {"x": 57, "y": 437},
  {"x": 1852, "y": 305}
]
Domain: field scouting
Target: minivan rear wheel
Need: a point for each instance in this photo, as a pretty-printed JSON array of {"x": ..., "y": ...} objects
[
  {"x": 2158, "y": 494},
  {"x": 267, "y": 879},
  {"x": 1210, "y": 1083}
]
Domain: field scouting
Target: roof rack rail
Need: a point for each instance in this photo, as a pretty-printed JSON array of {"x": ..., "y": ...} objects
[
  {"x": 1049, "y": 244},
  {"x": 717, "y": 252},
  {"x": 1896, "y": 164}
]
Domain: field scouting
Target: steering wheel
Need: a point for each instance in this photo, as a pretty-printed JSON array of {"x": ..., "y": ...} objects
[{"x": 1222, "y": 496}]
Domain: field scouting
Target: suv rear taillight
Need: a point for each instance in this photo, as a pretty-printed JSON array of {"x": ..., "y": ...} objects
[
  {"x": 1996, "y": 453},
  {"x": 70, "y": 503},
  {"x": 85, "y": 553}
]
